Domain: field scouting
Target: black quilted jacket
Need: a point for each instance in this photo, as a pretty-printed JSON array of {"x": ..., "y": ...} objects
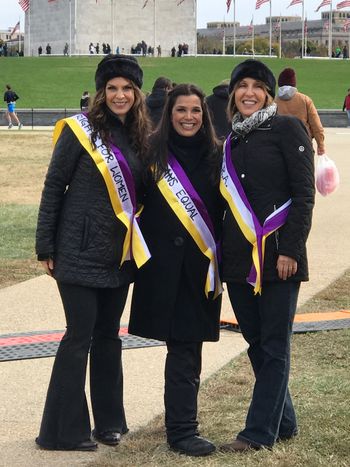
[
  {"x": 77, "y": 226},
  {"x": 274, "y": 163}
]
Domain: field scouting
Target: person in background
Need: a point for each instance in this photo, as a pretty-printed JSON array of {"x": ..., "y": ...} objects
[
  {"x": 292, "y": 102},
  {"x": 267, "y": 179},
  {"x": 40, "y": 50},
  {"x": 10, "y": 97},
  {"x": 217, "y": 103},
  {"x": 177, "y": 294},
  {"x": 84, "y": 240},
  {"x": 346, "y": 105},
  {"x": 85, "y": 101},
  {"x": 156, "y": 100}
]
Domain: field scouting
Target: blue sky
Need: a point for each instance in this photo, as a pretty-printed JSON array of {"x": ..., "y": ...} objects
[{"x": 207, "y": 10}]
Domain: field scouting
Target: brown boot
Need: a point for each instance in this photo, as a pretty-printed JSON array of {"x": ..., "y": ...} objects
[{"x": 237, "y": 446}]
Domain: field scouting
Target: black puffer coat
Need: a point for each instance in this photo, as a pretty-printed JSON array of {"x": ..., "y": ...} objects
[
  {"x": 274, "y": 163},
  {"x": 77, "y": 225},
  {"x": 169, "y": 300}
]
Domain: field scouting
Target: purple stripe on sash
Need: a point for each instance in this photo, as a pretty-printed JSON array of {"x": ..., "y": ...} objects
[
  {"x": 197, "y": 200},
  {"x": 129, "y": 179}
]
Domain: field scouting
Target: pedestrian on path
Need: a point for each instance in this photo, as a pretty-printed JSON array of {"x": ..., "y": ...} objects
[
  {"x": 10, "y": 97},
  {"x": 85, "y": 226},
  {"x": 346, "y": 105},
  {"x": 177, "y": 294},
  {"x": 292, "y": 102},
  {"x": 268, "y": 183}
]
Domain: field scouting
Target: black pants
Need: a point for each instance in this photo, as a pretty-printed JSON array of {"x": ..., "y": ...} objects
[
  {"x": 93, "y": 321},
  {"x": 182, "y": 378},
  {"x": 266, "y": 322}
]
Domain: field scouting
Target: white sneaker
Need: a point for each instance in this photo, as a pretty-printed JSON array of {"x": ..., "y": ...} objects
[
  {"x": 10, "y": 126},
  {"x": 20, "y": 126}
]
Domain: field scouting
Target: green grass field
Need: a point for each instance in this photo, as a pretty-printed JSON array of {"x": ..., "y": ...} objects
[{"x": 58, "y": 82}]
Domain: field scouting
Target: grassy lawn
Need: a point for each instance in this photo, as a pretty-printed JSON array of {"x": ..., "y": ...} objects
[{"x": 51, "y": 82}]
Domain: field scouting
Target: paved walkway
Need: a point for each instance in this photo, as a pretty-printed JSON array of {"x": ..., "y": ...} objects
[{"x": 34, "y": 306}]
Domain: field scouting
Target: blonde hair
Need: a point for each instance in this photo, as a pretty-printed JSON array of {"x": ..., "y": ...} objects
[{"x": 231, "y": 109}]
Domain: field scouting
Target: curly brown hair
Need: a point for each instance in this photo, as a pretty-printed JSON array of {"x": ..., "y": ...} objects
[{"x": 136, "y": 123}]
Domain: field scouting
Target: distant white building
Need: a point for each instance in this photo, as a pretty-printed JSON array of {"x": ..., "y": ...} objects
[{"x": 120, "y": 23}]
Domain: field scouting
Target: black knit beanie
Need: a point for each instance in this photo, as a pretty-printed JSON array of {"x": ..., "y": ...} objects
[
  {"x": 253, "y": 69},
  {"x": 113, "y": 66}
]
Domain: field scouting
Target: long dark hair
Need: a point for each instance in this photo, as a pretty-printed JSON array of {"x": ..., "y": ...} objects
[
  {"x": 136, "y": 123},
  {"x": 158, "y": 151}
]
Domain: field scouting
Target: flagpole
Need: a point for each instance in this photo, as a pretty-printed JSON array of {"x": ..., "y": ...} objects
[
  {"x": 302, "y": 29},
  {"x": 154, "y": 24},
  {"x": 195, "y": 22},
  {"x": 234, "y": 27},
  {"x": 70, "y": 28},
  {"x": 75, "y": 25},
  {"x": 223, "y": 39},
  {"x": 253, "y": 50},
  {"x": 330, "y": 31},
  {"x": 280, "y": 41},
  {"x": 270, "y": 51},
  {"x": 305, "y": 36}
]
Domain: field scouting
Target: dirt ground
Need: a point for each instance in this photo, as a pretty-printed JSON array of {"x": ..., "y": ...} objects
[{"x": 24, "y": 157}]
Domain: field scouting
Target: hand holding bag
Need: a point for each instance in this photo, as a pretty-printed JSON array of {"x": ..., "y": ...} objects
[{"x": 327, "y": 175}]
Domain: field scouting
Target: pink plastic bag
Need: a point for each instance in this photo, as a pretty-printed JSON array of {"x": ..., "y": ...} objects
[{"x": 327, "y": 175}]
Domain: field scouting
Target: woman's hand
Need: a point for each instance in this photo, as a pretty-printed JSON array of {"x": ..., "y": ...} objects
[
  {"x": 48, "y": 266},
  {"x": 286, "y": 267}
]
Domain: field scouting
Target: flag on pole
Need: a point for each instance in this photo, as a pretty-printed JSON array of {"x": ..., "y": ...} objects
[
  {"x": 260, "y": 2},
  {"x": 24, "y": 4},
  {"x": 251, "y": 26},
  {"x": 228, "y": 3},
  {"x": 324, "y": 3},
  {"x": 14, "y": 30},
  {"x": 346, "y": 25},
  {"x": 295, "y": 2},
  {"x": 343, "y": 4}
]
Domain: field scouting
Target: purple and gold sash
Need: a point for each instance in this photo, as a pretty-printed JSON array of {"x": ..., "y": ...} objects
[
  {"x": 119, "y": 182},
  {"x": 232, "y": 191},
  {"x": 193, "y": 214}
]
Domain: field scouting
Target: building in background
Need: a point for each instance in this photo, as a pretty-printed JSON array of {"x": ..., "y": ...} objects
[
  {"x": 316, "y": 31},
  {"x": 118, "y": 23}
]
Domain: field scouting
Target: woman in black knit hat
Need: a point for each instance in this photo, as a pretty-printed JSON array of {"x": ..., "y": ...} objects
[
  {"x": 268, "y": 183},
  {"x": 88, "y": 240}
]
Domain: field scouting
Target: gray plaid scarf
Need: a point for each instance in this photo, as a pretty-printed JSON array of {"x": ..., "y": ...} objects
[{"x": 243, "y": 127}]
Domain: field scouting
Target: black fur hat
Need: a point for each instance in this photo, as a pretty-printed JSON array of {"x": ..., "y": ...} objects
[
  {"x": 113, "y": 66},
  {"x": 253, "y": 69}
]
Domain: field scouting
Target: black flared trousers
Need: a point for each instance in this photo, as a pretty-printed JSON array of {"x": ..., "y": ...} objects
[
  {"x": 93, "y": 321},
  {"x": 182, "y": 378}
]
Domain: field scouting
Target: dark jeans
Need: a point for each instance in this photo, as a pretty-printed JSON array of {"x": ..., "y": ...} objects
[
  {"x": 266, "y": 324},
  {"x": 93, "y": 321},
  {"x": 182, "y": 378}
]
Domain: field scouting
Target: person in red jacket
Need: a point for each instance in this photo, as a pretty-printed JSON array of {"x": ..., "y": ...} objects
[{"x": 346, "y": 105}]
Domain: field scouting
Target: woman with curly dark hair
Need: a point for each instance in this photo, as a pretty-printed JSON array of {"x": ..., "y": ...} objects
[
  {"x": 88, "y": 240},
  {"x": 177, "y": 294}
]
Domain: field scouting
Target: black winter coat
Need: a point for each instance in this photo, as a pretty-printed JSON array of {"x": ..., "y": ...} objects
[
  {"x": 77, "y": 225},
  {"x": 217, "y": 103},
  {"x": 274, "y": 163},
  {"x": 155, "y": 104},
  {"x": 168, "y": 299}
]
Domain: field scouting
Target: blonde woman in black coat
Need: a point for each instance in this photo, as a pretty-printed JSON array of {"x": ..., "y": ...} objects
[
  {"x": 177, "y": 294},
  {"x": 268, "y": 183},
  {"x": 85, "y": 226}
]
